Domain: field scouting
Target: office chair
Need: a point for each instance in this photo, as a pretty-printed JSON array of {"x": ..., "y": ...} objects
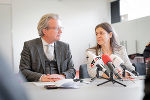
[
  {"x": 140, "y": 68},
  {"x": 83, "y": 73}
]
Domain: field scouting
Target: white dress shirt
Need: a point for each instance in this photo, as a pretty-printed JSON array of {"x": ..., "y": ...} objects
[{"x": 48, "y": 49}]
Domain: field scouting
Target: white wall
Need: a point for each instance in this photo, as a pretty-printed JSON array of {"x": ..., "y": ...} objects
[
  {"x": 79, "y": 19},
  {"x": 132, "y": 31},
  {"x": 5, "y": 1},
  {"x": 5, "y": 32}
]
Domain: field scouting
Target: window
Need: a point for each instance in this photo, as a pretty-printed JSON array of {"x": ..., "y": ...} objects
[{"x": 133, "y": 9}]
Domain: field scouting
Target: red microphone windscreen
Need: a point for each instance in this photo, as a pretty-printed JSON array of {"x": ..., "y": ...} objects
[{"x": 106, "y": 58}]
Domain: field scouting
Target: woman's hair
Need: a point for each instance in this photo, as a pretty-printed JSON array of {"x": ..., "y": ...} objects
[
  {"x": 113, "y": 41},
  {"x": 43, "y": 23}
]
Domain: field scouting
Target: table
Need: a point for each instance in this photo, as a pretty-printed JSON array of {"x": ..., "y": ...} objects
[{"x": 108, "y": 91}]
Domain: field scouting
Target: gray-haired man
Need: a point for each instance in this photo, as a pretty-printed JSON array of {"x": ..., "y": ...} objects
[{"x": 46, "y": 58}]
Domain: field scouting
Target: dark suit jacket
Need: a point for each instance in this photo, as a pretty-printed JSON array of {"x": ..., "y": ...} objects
[
  {"x": 32, "y": 63},
  {"x": 146, "y": 52},
  {"x": 147, "y": 83},
  {"x": 10, "y": 87}
]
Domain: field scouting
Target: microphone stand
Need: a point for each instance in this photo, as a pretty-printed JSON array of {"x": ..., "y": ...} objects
[{"x": 111, "y": 79}]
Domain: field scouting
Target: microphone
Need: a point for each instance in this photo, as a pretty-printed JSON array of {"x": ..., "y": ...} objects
[
  {"x": 96, "y": 61},
  {"x": 118, "y": 61},
  {"x": 107, "y": 60},
  {"x": 129, "y": 69}
]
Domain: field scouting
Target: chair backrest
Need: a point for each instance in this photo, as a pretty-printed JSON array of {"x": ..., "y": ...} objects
[
  {"x": 83, "y": 73},
  {"x": 140, "y": 68}
]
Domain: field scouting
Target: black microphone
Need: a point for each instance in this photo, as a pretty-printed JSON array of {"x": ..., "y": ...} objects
[
  {"x": 106, "y": 59},
  {"x": 102, "y": 69},
  {"x": 129, "y": 69}
]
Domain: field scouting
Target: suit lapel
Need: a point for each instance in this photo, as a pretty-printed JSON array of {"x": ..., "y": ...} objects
[
  {"x": 58, "y": 55},
  {"x": 41, "y": 52}
]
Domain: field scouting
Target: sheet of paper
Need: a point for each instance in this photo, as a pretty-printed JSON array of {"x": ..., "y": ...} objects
[
  {"x": 66, "y": 83},
  {"x": 43, "y": 83}
]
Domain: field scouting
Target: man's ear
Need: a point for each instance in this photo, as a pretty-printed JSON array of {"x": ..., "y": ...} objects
[
  {"x": 110, "y": 34},
  {"x": 44, "y": 31}
]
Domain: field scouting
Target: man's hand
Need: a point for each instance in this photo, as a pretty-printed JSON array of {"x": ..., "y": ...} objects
[
  {"x": 56, "y": 77},
  {"x": 46, "y": 78},
  {"x": 52, "y": 77}
]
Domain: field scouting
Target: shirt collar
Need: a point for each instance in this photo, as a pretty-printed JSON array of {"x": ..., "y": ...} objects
[{"x": 45, "y": 43}]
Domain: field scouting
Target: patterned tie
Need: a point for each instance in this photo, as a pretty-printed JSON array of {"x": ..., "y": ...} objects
[{"x": 50, "y": 52}]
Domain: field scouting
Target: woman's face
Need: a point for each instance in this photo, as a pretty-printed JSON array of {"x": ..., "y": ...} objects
[{"x": 102, "y": 36}]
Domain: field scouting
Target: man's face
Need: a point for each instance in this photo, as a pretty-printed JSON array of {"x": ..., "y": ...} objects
[{"x": 53, "y": 31}]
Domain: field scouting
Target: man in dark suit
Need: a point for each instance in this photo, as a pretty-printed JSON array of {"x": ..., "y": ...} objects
[
  {"x": 147, "y": 83},
  {"x": 146, "y": 55},
  {"x": 46, "y": 58}
]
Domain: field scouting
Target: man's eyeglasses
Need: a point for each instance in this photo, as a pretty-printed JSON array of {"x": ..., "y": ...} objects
[{"x": 55, "y": 28}]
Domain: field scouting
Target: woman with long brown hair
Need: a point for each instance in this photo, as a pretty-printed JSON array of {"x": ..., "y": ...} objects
[{"x": 107, "y": 44}]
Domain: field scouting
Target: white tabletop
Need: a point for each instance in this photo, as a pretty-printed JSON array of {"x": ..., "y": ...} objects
[{"x": 108, "y": 91}]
